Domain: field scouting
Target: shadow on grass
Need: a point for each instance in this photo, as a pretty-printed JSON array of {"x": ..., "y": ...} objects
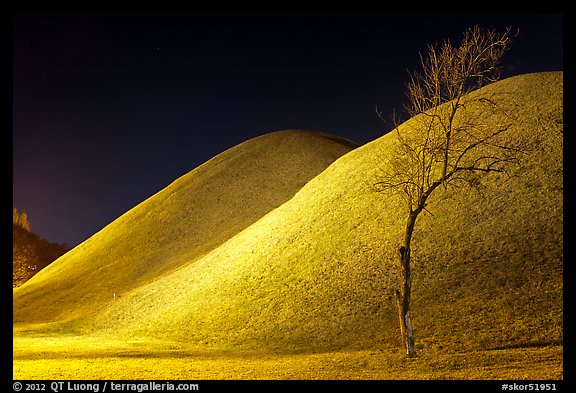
[{"x": 538, "y": 344}]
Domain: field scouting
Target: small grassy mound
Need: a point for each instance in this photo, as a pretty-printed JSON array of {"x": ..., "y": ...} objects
[{"x": 193, "y": 215}]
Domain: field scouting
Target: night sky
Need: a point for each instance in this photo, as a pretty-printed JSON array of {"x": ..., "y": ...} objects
[{"x": 108, "y": 109}]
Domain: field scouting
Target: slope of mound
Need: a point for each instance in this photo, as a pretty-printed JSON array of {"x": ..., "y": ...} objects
[
  {"x": 193, "y": 215},
  {"x": 318, "y": 272}
]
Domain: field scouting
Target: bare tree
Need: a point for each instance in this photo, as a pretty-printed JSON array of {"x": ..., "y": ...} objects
[{"x": 455, "y": 134}]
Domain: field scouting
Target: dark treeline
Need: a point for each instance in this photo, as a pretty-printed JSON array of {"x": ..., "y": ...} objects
[{"x": 30, "y": 253}]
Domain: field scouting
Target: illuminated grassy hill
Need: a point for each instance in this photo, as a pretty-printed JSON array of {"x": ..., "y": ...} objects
[
  {"x": 193, "y": 215},
  {"x": 317, "y": 273}
]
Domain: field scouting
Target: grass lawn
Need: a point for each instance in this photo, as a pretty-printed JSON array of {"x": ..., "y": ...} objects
[{"x": 93, "y": 358}]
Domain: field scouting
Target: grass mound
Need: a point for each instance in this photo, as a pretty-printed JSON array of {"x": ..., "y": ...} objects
[
  {"x": 317, "y": 272},
  {"x": 193, "y": 215}
]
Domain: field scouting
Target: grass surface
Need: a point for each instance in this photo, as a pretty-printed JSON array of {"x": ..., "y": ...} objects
[
  {"x": 310, "y": 281},
  {"x": 93, "y": 358}
]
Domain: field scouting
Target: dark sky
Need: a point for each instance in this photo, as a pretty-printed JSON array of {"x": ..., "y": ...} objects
[{"x": 108, "y": 109}]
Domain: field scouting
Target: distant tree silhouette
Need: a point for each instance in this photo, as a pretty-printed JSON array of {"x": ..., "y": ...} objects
[
  {"x": 30, "y": 253},
  {"x": 20, "y": 219},
  {"x": 448, "y": 139}
]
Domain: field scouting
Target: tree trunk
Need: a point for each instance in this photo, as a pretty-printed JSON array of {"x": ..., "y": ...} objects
[
  {"x": 401, "y": 320},
  {"x": 403, "y": 295}
]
